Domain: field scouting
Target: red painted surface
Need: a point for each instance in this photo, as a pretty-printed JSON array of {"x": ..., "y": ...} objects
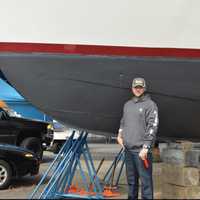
[{"x": 98, "y": 50}]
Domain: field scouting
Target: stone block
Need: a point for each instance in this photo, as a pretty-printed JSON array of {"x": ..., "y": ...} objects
[
  {"x": 192, "y": 158},
  {"x": 170, "y": 191},
  {"x": 173, "y": 156},
  {"x": 182, "y": 145},
  {"x": 196, "y": 145},
  {"x": 157, "y": 177},
  {"x": 178, "y": 175},
  {"x": 183, "y": 157}
]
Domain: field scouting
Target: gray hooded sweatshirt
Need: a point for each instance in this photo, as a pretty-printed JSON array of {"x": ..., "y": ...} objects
[{"x": 139, "y": 123}]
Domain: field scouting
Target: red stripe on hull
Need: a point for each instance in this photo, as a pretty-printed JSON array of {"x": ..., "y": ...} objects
[{"x": 98, "y": 50}]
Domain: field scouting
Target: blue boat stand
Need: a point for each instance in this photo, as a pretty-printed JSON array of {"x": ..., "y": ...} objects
[{"x": 57, "y": 180}]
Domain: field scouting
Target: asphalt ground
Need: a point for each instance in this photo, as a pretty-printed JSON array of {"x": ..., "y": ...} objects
[{"x": 23, "y": 187}]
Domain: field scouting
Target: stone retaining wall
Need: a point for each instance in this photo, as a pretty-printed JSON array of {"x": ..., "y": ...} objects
[{"x": 181, "y": 171}]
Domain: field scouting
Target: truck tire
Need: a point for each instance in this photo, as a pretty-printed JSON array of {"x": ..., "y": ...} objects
[
  {"x": 56, "y": 147},
  {"x": 5, "y": 174},
  {"x": 33, "y": 144}
]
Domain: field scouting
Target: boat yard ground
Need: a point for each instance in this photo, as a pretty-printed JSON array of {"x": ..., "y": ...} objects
[{"x": 22, "y": 188}]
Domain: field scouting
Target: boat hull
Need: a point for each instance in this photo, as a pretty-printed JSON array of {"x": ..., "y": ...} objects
[{"x": 89, "y": 91}]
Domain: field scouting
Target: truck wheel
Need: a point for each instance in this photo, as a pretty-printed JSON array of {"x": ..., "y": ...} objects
[
  {"x": 55, "y": 147},
  {"x": 5, "y": 174},
  {"x": 33, "y": 144}
]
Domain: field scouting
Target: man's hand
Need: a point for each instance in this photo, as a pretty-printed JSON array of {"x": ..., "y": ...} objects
[
  {"x": 120, "y": 141},
  {"x": 143, "y": 153}
]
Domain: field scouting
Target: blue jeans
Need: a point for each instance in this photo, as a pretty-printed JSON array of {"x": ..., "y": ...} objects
[{"x": 135, "y": 169}]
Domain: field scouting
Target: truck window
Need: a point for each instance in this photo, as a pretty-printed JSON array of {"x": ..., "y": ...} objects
[{"x": 3, "y": 114}]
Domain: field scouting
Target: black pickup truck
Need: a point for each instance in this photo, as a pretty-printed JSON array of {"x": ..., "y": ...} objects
[{"x": 30, "y": 134}]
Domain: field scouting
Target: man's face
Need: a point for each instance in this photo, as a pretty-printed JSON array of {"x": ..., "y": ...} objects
[{"x": 138, "y": 91}]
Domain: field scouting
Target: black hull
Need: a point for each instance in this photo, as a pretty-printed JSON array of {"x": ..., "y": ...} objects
[{"x": 89, "y": 91}]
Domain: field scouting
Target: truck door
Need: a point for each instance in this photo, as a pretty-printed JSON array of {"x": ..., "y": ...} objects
[{"x": 8, "y": 131}]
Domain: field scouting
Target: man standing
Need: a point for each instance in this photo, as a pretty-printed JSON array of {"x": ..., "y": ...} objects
[{"x": 137, "y": 135}]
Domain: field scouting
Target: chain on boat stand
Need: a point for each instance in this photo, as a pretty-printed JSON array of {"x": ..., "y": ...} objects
[{"x": 56, "y": 183}]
